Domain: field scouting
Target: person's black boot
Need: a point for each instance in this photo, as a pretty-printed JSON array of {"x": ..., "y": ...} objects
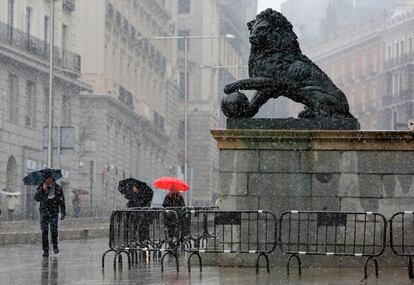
[
  {"x": 45, "y": 254},
  {"x": 55, "y": 249}
]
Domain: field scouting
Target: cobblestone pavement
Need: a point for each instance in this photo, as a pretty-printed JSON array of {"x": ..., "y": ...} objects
[{"x": 79, "y": 263}]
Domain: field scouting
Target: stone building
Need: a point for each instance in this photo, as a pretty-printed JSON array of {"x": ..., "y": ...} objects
[
  {"x": 117, "y": 143},
  {"x": 121, "y": 59},
  {"x": 213, "y": 62},
  {"x": 24, "y": 82},
  {"x": 373, "y": 66}
]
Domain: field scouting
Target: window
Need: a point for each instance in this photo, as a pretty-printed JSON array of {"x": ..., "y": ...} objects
[
  {"x": 182, "y": 85},
  {"x": 352, "y": 100},
  {"x": 363, "y": 65},
  {"x": 181, "y": 42},
  {"x": 373, "y": 96},
  {"x": 181, "y": 130},
  {"x": 397, "y": 50},
  {"x": 363, "y": 100},
  {"x": 29, "y": 17},
  {"x": 394, "y": 120},
  {"x": 30, "y": 119},
  {"x": 374, "y": 62},
  {"x": 342, "y": 73},
  {"x": 184, "y": 6},
  {"x": 353, "y": 68},
  {"x": 10, "y": 13},
  {"x": 64, "y": 38},
  {"x": 66, "y": 111},
  {"x": 46, "y": 28},
  {"x": 46, "y": 105},
  {"x": 13, "y": 95}
]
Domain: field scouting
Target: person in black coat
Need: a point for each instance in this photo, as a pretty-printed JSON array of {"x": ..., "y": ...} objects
[
  {"x": 140, "y": 196},
  {"x": 175, "y": 199},
  {"x": 51, "y": 198}
]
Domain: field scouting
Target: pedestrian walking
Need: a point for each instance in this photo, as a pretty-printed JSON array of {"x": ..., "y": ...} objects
[
  {"x": 52, "y": 201},
  {"x": 76, "y": 204},
  {"x": 138, "y": 194}
]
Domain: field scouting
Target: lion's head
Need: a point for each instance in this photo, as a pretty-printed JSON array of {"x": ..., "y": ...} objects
[{"x": 272, "y": 31}]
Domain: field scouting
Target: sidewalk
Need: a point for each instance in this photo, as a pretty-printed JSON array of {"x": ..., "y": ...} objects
[{"x": 18, "y": 232}]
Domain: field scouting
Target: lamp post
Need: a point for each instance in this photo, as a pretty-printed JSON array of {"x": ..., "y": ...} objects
[
  {"x": 186, "y": 39},
  {"x": 50, "y": 103}
]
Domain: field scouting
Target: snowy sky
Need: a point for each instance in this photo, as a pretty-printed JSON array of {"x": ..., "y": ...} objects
[{"x": 275, "y": 4}]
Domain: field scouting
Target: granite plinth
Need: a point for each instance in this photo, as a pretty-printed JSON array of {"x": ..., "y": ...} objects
[
  {"x": 293, "y": 124},
  {"x": 283, "y": 170}
]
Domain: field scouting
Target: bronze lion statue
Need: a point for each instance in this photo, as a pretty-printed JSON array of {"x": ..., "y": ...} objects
[{"x": 277, "y": 67}]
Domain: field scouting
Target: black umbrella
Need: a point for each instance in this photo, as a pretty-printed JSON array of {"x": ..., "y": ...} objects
[
  {"x": 142, "y": 198},
  {"x": 125, "y": 186},
  {"x": 37, "y": 177}
]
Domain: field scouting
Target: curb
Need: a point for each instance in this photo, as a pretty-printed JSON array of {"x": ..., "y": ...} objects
[{"x": 64, "y": 234}]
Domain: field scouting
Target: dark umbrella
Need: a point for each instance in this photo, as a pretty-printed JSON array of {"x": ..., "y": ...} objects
[
  {"x": 125, "y": 186},
  {"x": 37, "y": 177}
]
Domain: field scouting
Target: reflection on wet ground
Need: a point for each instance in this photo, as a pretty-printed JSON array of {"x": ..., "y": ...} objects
[{"x": 79, "y": 263}]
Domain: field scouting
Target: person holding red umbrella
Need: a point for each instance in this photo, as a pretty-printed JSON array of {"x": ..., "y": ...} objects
[
  {"x": 174, "y": 199},
  {"x": 174, "y": 186}
]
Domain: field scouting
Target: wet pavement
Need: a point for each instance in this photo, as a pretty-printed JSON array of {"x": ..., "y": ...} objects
[{"x": 79, "y": 263}]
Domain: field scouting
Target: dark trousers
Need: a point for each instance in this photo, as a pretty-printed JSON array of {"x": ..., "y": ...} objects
[{"x": 47, "y": 219}]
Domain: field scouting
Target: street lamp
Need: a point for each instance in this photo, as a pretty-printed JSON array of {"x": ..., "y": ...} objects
[
  {"x": 50, "y": 103},
  {"x": 186, "y": 39}
]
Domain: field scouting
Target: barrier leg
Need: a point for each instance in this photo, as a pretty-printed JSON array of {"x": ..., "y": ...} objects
[
  {"x": 366, "y": 267},
  {"x": 410, "y": 268},
  {"x": 299, "y": 264},
  {"x": 118, "y": 255},
  {"x": 103, "y": 257},
  {"x": 176, "y": 260},
  {"x": 199, "y": 261},
  {"x": 267, "y": 262}
]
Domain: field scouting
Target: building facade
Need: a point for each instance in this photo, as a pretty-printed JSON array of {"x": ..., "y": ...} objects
[
  {"x": 24, "y": 89},
  {"x": 373, "y": 66},
  {"x": 213, "y": 62},
  {"x": 122, "y": 59}
]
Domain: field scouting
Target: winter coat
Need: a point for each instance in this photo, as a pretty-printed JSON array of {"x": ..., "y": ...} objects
[
  {"x": 173, "y": 199},
  {"x": 142, "y": 198},
  {"x": 51, "y": 200}
]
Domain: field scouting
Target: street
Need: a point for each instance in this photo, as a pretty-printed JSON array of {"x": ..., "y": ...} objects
[{"x": 79, "y": 263}]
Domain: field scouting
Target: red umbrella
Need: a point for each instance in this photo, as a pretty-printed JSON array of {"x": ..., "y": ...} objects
[{"x": 169, "y": 183}]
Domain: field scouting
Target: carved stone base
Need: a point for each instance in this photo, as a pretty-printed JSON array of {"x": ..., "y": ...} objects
[{"x": 294, "y": 124}]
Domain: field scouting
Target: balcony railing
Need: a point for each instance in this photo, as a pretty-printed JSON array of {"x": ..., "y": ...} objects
[
  {"x": 395, "y": 61},
  {"x": 40, "y": 49}
]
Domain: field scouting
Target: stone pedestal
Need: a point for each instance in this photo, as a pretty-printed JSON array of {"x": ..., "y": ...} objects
[{"x": 316, "y": 170}]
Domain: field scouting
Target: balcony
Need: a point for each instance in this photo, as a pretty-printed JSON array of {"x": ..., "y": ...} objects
[
  {"x": 406, "y": 94},
  {"x": 396, "y": 61},
  {"x": 69, "y": 6},
  {"x": 24, "y": 42}
]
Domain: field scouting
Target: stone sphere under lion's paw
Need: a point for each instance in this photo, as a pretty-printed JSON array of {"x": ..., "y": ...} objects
[{"x": 235, "y": 105}]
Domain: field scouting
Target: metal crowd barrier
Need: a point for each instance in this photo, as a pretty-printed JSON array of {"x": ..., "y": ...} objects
[
  {"x": 253, "y": 232},
  {"x": 333, "y": 234},
  {"x": 402, "y": 237},
  {"x": 143, "y": 230}
]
